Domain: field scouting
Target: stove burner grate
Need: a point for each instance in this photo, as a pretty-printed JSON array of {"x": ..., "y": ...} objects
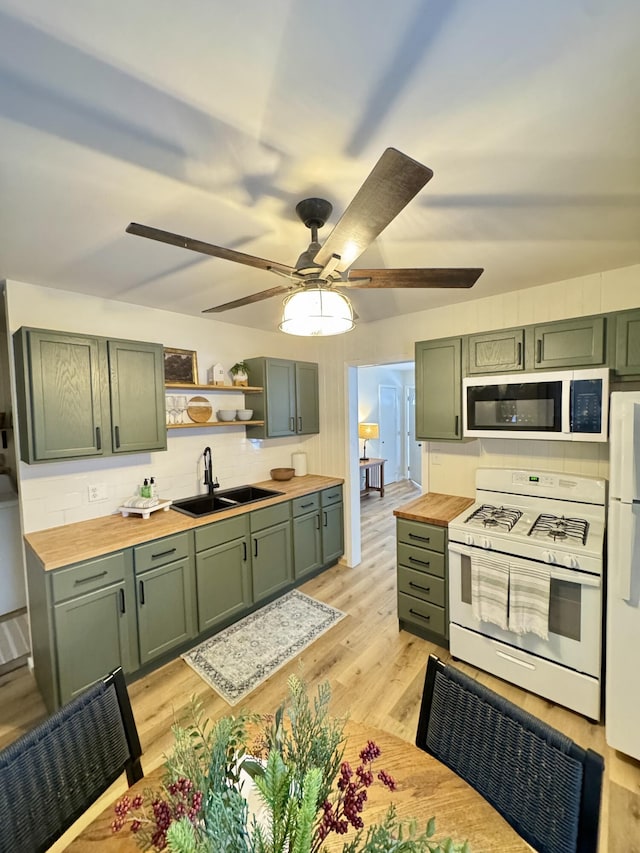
[
  {"x": 495, "y": 516},
  {"x": 558, "y": 527}
]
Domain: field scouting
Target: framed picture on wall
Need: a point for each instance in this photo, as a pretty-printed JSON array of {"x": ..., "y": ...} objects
[{"x": 180, "y": 367}]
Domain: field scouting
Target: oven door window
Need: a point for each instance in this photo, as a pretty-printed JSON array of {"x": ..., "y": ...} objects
[
  {"x": 565, "y": 602},
  {"x": 516, "y": 406}
]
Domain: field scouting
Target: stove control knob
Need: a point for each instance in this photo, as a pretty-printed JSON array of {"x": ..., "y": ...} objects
[
  {"x": 485, "y": 543},
  {"x": 571, "y": 562},
  {"x": 549, "y": 557},
  {"x": 468, "y": 539}
]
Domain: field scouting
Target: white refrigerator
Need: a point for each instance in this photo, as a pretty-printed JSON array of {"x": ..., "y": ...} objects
[{"x": 622, "y": 708}]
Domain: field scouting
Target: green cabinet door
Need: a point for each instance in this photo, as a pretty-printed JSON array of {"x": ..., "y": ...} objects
[
  {"x": 568, "y": 343},
  {"x": 271, "y": 560},
  {"x": 627, "y": 358},
  {"x": 223, "y": 581},
  {"x": 307, "y": 544},
  {"x": 59, "y": 396},
  {"x": 307, "y": 398},
  {"x": 136, "y": 372},
  {"x": 289, "y": 403},
  {"x": 332, "y": 533},
  {"x": 496, "y": 352},
  {"x": 94, "y": 633},
  {"x": 166, "y": 615},
  {"x": 438, "y": 389}
]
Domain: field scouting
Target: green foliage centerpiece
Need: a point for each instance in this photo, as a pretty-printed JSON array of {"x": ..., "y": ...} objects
[{"x": 271, "y": 784}]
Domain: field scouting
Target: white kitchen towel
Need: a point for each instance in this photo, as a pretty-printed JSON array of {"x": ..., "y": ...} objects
[
  {"x": 490, "y": 589},
  {"x": 529, "y": 599}
]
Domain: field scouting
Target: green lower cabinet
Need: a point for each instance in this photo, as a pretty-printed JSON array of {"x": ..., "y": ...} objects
[
  {"x": 307, "y": 544},
  {"x": 332, "y": 533},
  {"x": 166, "y": 608},
  {"x": 95, "y": 633},
  {"x": 223, "y": 577},
  {"x": 271, "y": 560}
]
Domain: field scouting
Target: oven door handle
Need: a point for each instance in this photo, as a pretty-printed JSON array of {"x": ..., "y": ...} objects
[
  {"x": 594, "y": 581},
  {"x": 457, "y": 548}
]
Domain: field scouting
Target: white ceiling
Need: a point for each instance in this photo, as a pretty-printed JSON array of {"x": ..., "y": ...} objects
[{"x": 213, "y": 119}]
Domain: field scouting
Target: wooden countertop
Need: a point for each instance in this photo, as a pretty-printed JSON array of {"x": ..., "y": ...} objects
[
  {"x": 426, "y": 788},
  {"x": 434, "y": 508},
  {"x": 84, "y": 540}
]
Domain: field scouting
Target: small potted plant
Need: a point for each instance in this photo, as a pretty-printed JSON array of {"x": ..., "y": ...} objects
[{"x": 240, "y": 373}]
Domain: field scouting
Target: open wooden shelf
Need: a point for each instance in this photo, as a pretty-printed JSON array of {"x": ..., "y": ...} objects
[
  {"x": 215, "y": 424},
  {"x": 239, "y": 389}
]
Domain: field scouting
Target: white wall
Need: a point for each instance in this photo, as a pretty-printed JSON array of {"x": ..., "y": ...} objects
[{"x": 57, "y": 493}]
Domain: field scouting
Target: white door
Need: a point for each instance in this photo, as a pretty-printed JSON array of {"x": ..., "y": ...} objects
[
  {"x": 414, "y": 448},
  {"x": 390, "y": 443}
]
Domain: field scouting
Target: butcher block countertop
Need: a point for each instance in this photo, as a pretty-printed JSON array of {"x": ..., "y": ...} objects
[
  {"x": 72, "y": 543},
  {"x": 434, "y": 508}
]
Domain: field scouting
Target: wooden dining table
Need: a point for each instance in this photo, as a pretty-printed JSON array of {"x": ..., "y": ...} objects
[{"x": 425, "y": 788}]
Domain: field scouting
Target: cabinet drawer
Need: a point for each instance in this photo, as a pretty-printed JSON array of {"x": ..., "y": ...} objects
[
  {"x": 161, "y": 551},
  {"x": 331, "y": 496},
  {"x": 421, "y": 559},
  {"x": 261, "y": 518},
  {"x": 424, "y": 586},
  {"x": 422, "y": 613},
  {"x": 300, "y": 506},
  {"x": 222, "y": 531},
  {"x": 88, "y": 576},
  {"x": 421, "y": 534}
]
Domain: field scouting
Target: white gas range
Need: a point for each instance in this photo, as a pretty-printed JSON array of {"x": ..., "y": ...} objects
[{"x": 531, "y": 527}]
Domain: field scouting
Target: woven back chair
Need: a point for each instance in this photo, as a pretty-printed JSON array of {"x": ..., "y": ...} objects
[
  {"x": 543, "y": 784},
  {"x": 52, "y": 774}
]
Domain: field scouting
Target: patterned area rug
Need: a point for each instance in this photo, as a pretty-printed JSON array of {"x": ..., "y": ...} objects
[{"x": 238, "y": 659}]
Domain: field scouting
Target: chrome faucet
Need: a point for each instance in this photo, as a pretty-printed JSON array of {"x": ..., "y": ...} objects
[{"x": 208, "y": 472}]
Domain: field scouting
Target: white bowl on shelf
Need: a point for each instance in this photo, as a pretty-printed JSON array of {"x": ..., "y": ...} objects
[
  {"x": 244, "y": 414},
  {"x": 226, "y": 414}
]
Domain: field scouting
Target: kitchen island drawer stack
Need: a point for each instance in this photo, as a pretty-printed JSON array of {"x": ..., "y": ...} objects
[{"x": 422, "y": 580}]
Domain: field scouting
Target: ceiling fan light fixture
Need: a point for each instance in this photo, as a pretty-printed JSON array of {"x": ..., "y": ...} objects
[{"x": 316, "y": 312}]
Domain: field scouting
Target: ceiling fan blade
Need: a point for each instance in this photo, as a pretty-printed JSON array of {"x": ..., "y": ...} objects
[
  {"x": 249, "y": 300},
  {"x": 389, "y": 187},
  {"x": 206, "y": 248},
  {"x": 443, "y": 277}
]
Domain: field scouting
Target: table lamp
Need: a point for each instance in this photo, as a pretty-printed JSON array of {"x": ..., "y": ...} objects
[{"x": 367, "y": 431}]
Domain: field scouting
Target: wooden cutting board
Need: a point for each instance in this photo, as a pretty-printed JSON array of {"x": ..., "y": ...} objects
[{"x": 199, "y": 410}]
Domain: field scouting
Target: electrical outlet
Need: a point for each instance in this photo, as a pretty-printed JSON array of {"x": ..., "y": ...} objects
[
  {"x": 98, "y": 492},
  {"x": 436, "y": 459}
]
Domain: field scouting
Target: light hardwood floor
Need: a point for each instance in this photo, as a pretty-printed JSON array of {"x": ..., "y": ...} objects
[{"x": 375, "y": 671}]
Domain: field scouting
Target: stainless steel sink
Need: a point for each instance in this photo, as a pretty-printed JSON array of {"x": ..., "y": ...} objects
[{"x": 209, "y": 504}]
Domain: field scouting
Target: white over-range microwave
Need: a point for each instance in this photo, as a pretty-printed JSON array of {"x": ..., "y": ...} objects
[{"x": 568, "y": 405}]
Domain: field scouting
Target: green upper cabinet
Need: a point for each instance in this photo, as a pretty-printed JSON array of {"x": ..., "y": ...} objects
[
  {"x": 289, "y": 403},
  {"x": 496, "y": 352},
  {"x": 567, "y": 343},
  {"x": 439, "y": 389},
  {"x": 627, "y": 354},
  {"x": 82, "y": 396},
  {"x": 136, "y": 374}
]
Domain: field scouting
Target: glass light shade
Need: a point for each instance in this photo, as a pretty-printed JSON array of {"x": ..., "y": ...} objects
[{"x": 316, "y": 311}]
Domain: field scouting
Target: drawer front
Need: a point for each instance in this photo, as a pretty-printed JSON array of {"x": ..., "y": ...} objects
[
  {"x": 161, "y": 551},
  {"x": 301, "y": 506},
  {"x": 331, "y": 496},
  {"x": 77, "y": 580},
  {"x": 270, "y": 515},
  {"x": 421, "y": 559},
  {"x": 222, "y": 531},
  {"x": 424, "y": 586},
  {"x": 422, "y": 613},
  {"x": 422, "y": 534}
]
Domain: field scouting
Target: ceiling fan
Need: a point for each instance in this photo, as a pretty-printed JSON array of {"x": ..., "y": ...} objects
[{"x": 389, "y": 187}]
